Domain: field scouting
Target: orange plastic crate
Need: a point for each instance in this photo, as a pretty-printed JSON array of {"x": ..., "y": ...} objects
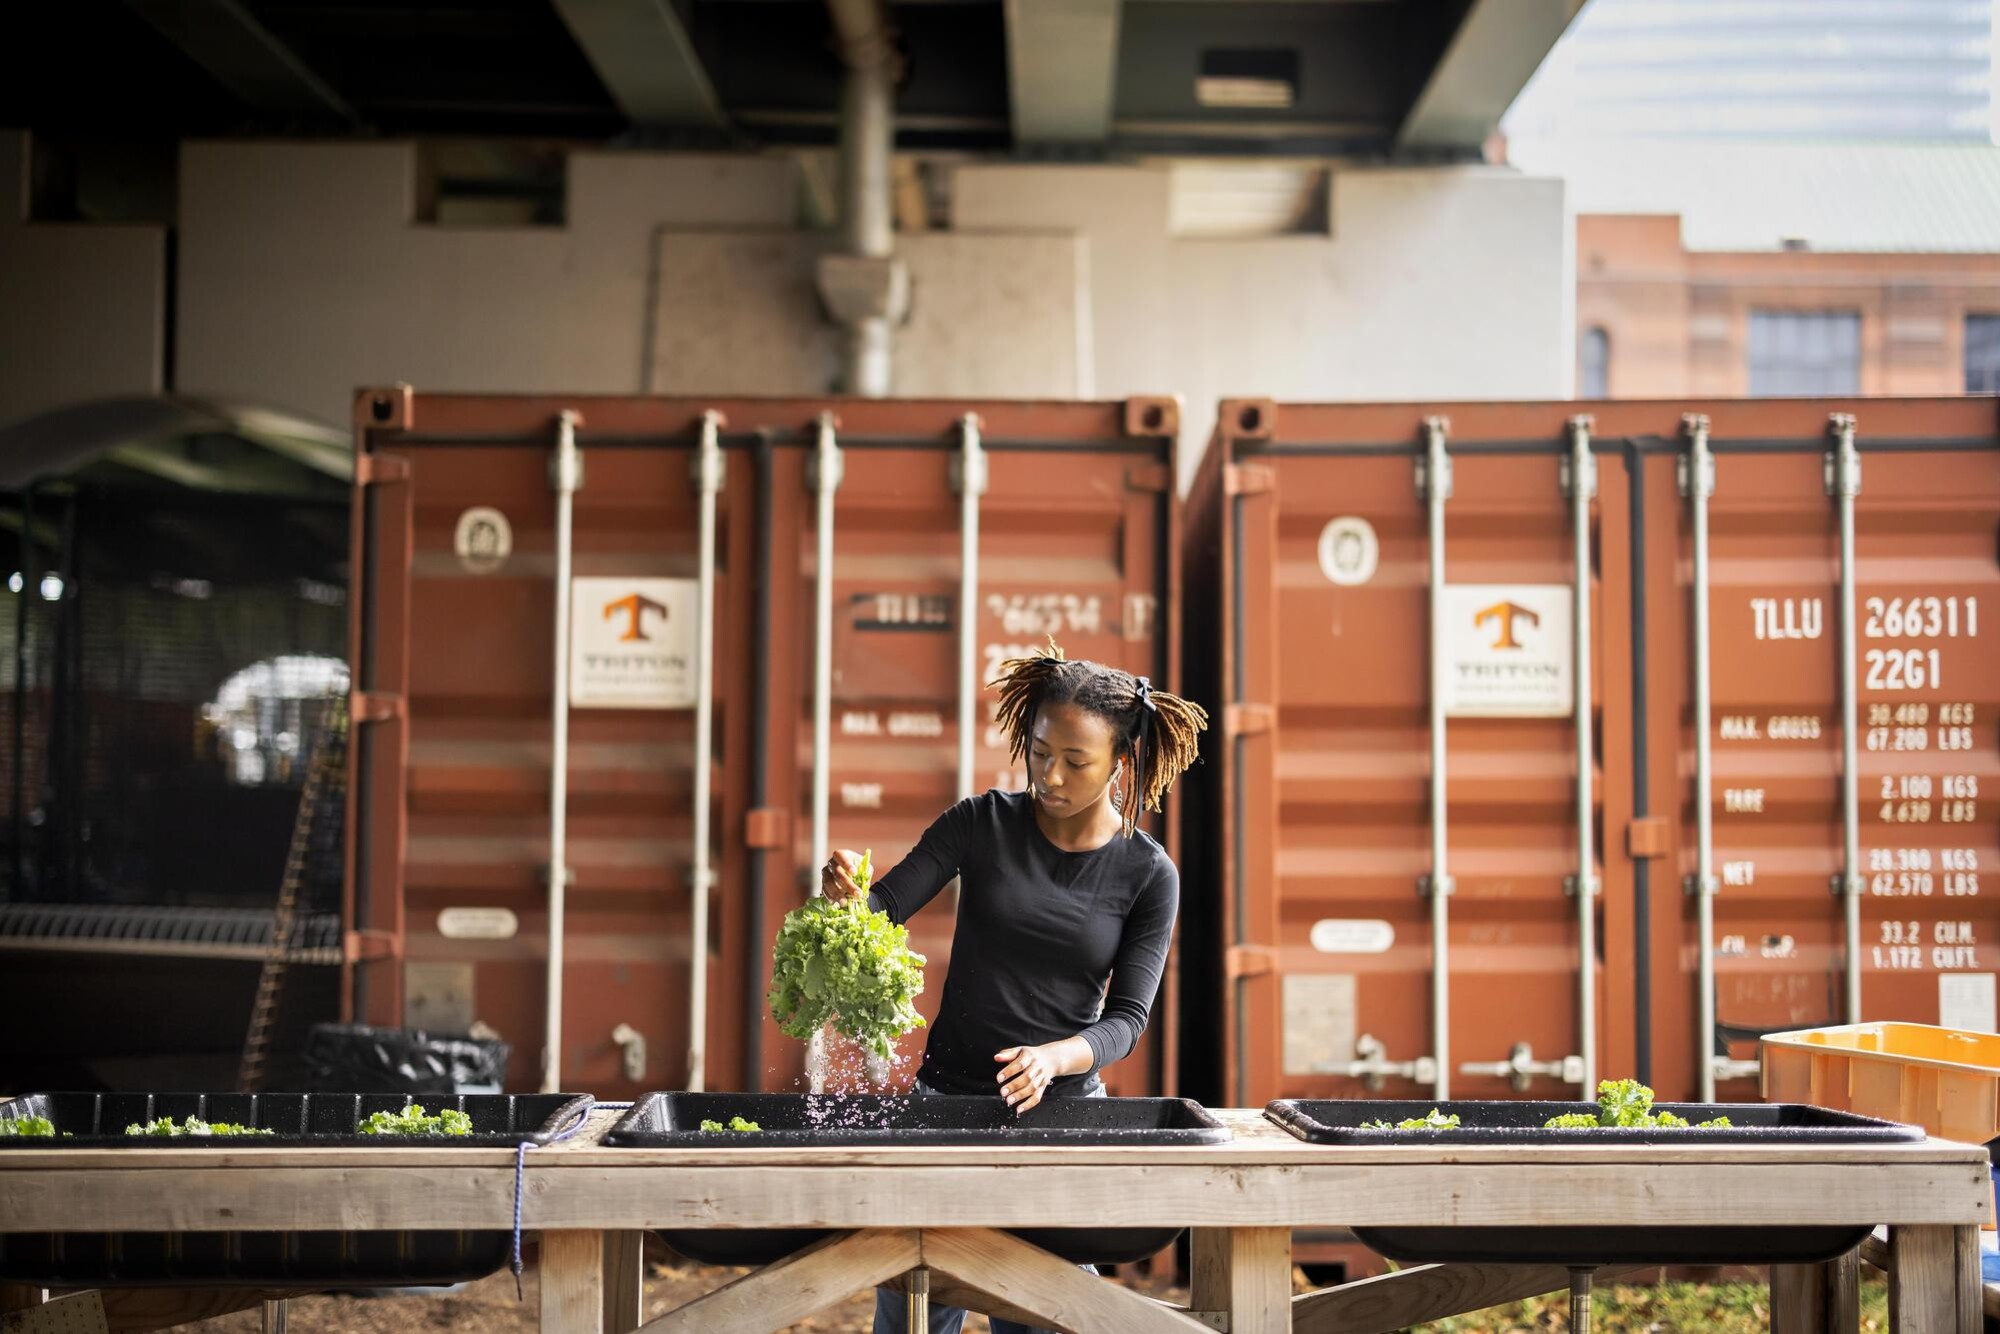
[{"x": 1946, "y": 1080}]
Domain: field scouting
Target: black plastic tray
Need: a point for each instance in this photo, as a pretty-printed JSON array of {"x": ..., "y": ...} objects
[
  {"x": 1326, "y": 1121},
  {"x": 299, "y": 1260},
  {"x": 798, "y": 1120},
  {"x": 806, "y": 1120},
  {"x": 1338, "y": 1121},
  {"x": 297, "y": 1120}
]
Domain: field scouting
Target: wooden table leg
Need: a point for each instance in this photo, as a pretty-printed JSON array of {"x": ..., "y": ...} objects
[
  {"x": 1934, "y": 1280},
  {"x": 572, "y": 1271},
  {"x": 1806, "y": 1299},
  {"x": 624, "y": 1281},
  {"x": 1245, "y": 1273}
]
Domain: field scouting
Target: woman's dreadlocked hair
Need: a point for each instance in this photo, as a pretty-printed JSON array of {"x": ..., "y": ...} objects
[{"x": 1158, "y": 731}]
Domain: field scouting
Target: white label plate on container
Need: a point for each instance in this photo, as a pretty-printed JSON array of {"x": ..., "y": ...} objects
[
  {"x": 631, "y": 643},
  {"x": 1352, "y": 935},
  {"x": 1966, "y": 1000},
  {"x": 1507, "y": 651},
  {"x": 478, "y": 923}
]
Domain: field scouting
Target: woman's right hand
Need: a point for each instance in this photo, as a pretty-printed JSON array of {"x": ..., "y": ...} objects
[{"x": 836, "y": 875}]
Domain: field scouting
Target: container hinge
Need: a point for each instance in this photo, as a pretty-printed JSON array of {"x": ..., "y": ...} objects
[
  {"x": 1842, "y": 481},
  {"x": 542, "y": 875},
  {"x": 1152, "y": 478},
  {"x": 1579, "y": 425},
  {"x": 1435, "y": 431},
  {"x": 826, "y": 429},
  {"x": 566, "y": 466},
  {"x": 1249, "y": 961},
  {"x": 1247, "y": 479},
  {"x": 767, "y": 828},
  {"x": 1646, "y": 837},
  {"x": 1844, "y": 884},
  {"x": 1444, "y": 885},
  {"x": 380, "y": 469},
  {"x": 1694, "y": 884},
  {"x": 1695, "y": 426},
  {"x": 709, "y": 456},
  {"x": 360, "y": 946},
  {"x": 1248, "y": 719},
  {"x": 374, "y": 706},
  {"x": 1596, "y": 886},
  {"x": 713, "y": 877}
]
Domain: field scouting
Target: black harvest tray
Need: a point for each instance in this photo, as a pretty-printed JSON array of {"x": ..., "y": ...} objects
[
  {"x": 1338, "y": 1121},
  {"x": 301, "y": 1260},
  {"x": 799, "y": 1120},
  {"x": 1330, "y": 1121}
]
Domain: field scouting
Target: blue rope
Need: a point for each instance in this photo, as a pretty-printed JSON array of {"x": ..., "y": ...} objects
[{"x": 520, "y": 1169}]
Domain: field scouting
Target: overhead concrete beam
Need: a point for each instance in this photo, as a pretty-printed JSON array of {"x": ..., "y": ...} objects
[
  {"x": 1062, "y": 69},
  {"x": 1498, "y": 47},
  {"x": 224, "y": 38},
  {"x": 641, "y": 49}
]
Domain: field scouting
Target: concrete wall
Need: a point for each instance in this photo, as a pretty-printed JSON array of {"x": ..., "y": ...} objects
[
  {"x": 82, "y": 306},
  {"x": 304, "y": 272},
  {"x": 1434, "y": 283},
  {"x": 994, "y": 316}
]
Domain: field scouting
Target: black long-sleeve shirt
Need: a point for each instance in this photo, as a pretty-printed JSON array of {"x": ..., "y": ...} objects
[{"x": 1039, "y": 932}]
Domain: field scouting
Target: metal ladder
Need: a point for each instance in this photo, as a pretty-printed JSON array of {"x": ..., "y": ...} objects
[{"x": 325, "y": 781}]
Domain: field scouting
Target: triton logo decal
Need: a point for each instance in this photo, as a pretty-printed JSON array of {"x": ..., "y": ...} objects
[
  {"x": 1507, "y": 615},
  {"x": 634, "y": 606}
]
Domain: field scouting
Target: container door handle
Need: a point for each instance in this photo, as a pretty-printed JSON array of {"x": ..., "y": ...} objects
[
  {"x": 1434, "y": 482},
  {"x": 566, "y": 477}
]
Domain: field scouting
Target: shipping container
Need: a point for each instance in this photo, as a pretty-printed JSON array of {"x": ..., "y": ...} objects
[
  {"x": 861, "y": 595},
  {"x": 1762, "y": 772}
]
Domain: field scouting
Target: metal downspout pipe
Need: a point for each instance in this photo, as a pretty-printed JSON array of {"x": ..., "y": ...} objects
[{"x": 865, "y": 287}]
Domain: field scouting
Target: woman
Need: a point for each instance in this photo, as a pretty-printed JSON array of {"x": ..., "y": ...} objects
[{"x": 1065, "y": 909}]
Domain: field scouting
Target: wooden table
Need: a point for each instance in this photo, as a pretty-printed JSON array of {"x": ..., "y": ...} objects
[{"x": 898, "y": 1209}]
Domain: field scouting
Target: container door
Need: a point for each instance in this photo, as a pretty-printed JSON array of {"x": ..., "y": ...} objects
[
  {"x": 1074, "y": 531},
  {"x": 1331, "y": 909},
  {"x": 1924, "y": 939},
  {"x": 480, "y": 636}
]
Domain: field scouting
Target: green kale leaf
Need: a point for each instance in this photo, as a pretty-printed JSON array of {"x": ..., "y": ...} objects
[{"x": 844, "y": 964}]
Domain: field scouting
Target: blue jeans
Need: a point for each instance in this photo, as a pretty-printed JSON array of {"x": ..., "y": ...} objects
[{"x": 892, "y": 1309}]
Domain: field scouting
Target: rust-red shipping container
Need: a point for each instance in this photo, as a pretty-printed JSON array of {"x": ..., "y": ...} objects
[
  {"x": 490, "y": 528},
  {"x": 1383, "y": 593}
]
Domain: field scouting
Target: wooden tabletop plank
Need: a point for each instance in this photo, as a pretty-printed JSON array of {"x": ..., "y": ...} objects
[{"x": 634, "y": 1195}]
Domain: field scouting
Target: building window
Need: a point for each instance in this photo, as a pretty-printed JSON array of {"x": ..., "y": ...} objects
[
  {"x": 1593, "y": 363},
  {"x": 1804, "y": 353},
  {"x": 1982, "y": 354}
]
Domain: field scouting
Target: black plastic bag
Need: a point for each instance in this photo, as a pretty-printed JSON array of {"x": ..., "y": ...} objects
[{"x": 353, "y": 1058}]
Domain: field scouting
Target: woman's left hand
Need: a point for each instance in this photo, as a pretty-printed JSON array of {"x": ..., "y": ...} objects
[{"x": 1025, "y": 1075}]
